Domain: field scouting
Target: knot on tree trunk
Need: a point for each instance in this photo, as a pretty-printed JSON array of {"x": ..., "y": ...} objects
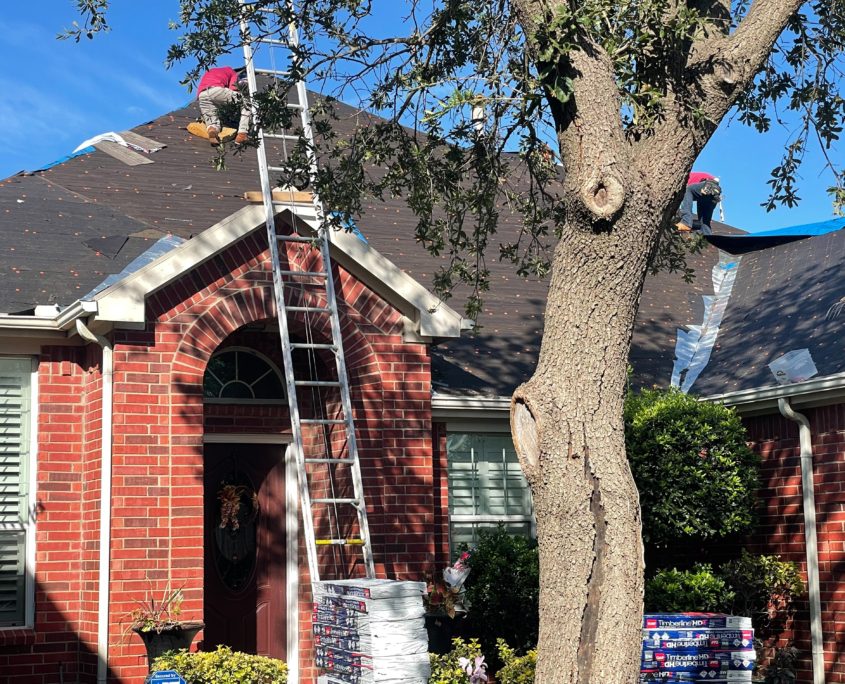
[
  {"x": 603, "y": 195},
  {"x": 727, "y": 75}
]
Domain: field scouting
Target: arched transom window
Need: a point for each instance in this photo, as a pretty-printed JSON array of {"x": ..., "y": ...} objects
[{"x": 237, "y": 375}]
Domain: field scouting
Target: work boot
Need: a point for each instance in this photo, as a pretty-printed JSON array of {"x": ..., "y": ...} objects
[
  {"x": 683, "y": 228},
  {"x": 241, "y": 138},
  {"x": 213, "y": 136}
]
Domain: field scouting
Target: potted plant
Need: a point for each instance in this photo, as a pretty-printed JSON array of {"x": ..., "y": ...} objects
[
  {"x": 445, "y": 598},
  {"x": 158, "y": 623}
]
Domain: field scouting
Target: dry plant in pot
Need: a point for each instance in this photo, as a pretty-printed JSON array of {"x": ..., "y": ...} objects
[{"x": 157, "y": 621}]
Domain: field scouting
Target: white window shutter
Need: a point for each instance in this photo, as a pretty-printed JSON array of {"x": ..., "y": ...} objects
[{"x": 14, "y": 450}]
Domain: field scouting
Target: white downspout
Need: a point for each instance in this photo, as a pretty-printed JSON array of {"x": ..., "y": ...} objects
[
  {"x": 809, "y": 504},
  {"x": 105, "y": 500}
]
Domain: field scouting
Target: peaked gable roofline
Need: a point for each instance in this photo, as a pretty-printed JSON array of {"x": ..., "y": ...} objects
[{"x": 124, "y": 302}]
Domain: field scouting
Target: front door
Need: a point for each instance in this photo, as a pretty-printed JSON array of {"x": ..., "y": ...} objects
[{"x": 245, "y": 602}]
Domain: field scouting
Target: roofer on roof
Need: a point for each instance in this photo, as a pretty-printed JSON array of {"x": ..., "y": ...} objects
[
  {"x": 219, "y": 87},
  {"x": 705, "y": 191}
]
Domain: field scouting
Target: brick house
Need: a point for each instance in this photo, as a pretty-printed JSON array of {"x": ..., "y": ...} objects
[{"x": 139, "y": 333}]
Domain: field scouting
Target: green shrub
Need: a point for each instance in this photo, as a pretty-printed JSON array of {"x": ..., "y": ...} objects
[
  {"x": 764, "y": 587},
  {"x": 223, "y": 665},
  {"x": 446, "y": 669},
  {"x": 783, "y": 667},
  {"x": 678, "y": 591},
  {"x": 502, "y": 591},
  {"x": 696, "y": 475},
  {"x": 516, "y": 669},
  {"x": 761, "y": 587}
]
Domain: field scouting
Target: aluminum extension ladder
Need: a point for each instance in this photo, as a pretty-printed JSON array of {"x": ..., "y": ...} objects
[{"x": 318, "y": 467}]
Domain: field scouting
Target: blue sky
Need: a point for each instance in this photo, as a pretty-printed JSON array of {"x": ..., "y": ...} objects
[{"x": 58, "y": 93}]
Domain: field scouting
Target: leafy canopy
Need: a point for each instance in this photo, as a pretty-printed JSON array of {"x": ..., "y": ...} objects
[{"x": 473, "y": 98}]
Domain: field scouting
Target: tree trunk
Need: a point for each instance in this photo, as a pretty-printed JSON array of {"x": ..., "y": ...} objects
[{"x": 568, "y": 431}]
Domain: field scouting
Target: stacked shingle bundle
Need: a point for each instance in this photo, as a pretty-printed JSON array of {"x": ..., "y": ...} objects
[
  {"x": 370, "y": 631},
  {"x": 697, "y": 647}
]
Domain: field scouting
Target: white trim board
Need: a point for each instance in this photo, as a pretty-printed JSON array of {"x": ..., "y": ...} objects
[
  {"x": 822, "y": 391},
  {"x": 124, "y": 302},
  {"x": 469, "y": 407}
]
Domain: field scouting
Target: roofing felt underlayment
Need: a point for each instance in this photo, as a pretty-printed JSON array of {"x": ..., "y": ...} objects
[{"x": 64, "y": 228}]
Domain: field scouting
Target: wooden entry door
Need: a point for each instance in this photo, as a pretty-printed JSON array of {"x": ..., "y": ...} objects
[{"x": 245, "y": 548}]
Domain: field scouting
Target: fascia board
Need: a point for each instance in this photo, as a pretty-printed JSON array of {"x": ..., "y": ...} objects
[
  {"x": 829, "y": 389},
  {"x": 124, "y": 301},
  {"x": 435, "y": 319},
  {"x": 456, "y": 406}
]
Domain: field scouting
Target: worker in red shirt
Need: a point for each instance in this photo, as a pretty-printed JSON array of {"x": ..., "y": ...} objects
[
  {"x": 219, "y": 87},
  {"x": 705, "y": 191}
]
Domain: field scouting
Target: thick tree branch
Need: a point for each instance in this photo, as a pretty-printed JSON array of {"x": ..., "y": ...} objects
[
  {"x": 734, "y": 60},
  {"x": 718, "y": 71},
  {"x": 588, "y": 126}
]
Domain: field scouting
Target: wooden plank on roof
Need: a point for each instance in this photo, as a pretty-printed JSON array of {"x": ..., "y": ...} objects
[
  {"x": 121, "y": 153},
  {"x": 141, "y": 141},
  {"x": 291, "y": 196}
]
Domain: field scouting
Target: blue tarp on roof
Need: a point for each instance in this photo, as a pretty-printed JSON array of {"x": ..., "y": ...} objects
[
  {"x": 741, "y": 244},
  {"x": 820, "y": 228}
]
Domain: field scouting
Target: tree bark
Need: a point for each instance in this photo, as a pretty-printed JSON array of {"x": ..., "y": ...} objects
[{"x": 568, "y": 431}]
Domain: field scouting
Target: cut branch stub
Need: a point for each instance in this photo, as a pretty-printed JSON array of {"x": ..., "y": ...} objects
[
  {"x": 526, "y": 436},
  {"x": 603, "y": 195}
]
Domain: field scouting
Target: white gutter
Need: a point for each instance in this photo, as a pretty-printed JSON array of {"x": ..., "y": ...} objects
[
  {"x": 455, "y": 406},
  {"x": 757, "y": 398},
  {"x": 810, "y": 540},
  {"x": 105, "y": 500}
]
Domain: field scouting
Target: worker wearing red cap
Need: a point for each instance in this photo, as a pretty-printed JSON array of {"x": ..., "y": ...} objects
[
  {"x": 219, "y": 87},
  {"x": 705, "y": 191}
]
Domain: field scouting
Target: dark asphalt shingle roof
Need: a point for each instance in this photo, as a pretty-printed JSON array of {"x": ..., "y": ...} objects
[
  {"x": 53, "y": 243},
  {"x": 784, "y": 298},
  {"x": 96, "y": 199}
]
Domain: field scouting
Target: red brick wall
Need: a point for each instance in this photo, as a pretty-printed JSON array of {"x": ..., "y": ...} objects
[
  {"x": 159, "y": 422},
  {"x": 62, "y": 631},
  {"x": 782, "y": 529}
]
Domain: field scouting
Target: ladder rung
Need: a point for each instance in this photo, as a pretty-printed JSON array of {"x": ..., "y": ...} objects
[
  {"x": 310, "y": 274},
  {"x": 297, "y": 238},
  {"x": 272, "y": 41},
  {"x": 339, "y": 542},
  {"x": 329, "y": 460},
  {"x": 311, "y": 345},
  {"x": 322, "y": 421},
  {"x": 316, "y": 383},
  {"x": 273, "y": 72},
  {"x": 282, "y": 136},
  {"x": 309, "y": 309},
  {"x": 351, "y": 502}
]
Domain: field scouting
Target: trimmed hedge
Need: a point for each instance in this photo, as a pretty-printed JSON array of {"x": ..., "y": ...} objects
[
  {"x": 697, "y": 477},
  {"x": 223, "y": 666}
]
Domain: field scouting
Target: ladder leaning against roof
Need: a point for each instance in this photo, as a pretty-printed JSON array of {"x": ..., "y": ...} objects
[{"x": 329, "y": 471}]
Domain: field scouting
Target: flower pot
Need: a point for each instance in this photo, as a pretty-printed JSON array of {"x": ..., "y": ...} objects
[
  {"x": 441, "y": 629},
  {"x": 171, "y": 638}
]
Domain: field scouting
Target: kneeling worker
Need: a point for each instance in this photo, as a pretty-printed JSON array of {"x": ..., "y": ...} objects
[
  {"x": 219, "y": 87},
  {"x": 705, "y": 191}
]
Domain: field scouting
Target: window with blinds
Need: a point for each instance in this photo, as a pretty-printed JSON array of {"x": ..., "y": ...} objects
[
  {"x": 14, "y": 487},
  {"x": 486, "y": 487}
]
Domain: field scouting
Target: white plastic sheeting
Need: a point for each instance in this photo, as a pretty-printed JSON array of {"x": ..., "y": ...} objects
[{"x": 694, "y": 346}]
